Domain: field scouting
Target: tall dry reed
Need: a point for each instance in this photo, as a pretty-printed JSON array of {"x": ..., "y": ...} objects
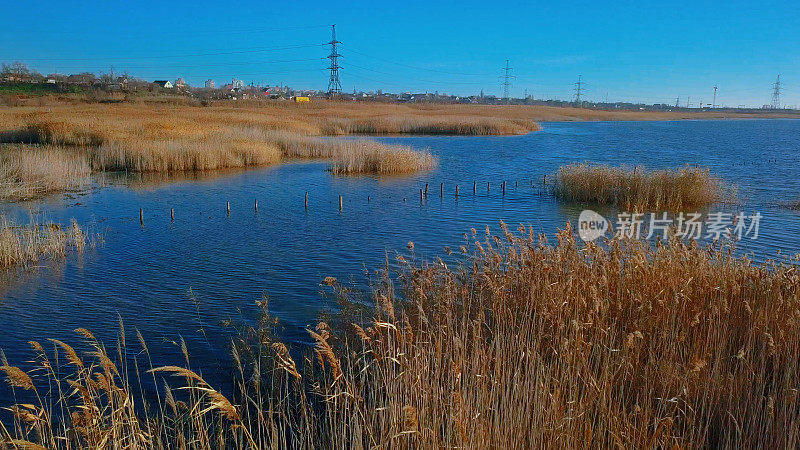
[
  {"x": 636, "y": 188},
  {"x": 526, "y": 344},
  {"x": 147, "y": 138},
  {"x": 31, "y": 171},
  {"x": 26, "y": 244}
]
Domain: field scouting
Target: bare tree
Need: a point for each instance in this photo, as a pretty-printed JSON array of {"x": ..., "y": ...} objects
[{"x": 18, "y": 71}]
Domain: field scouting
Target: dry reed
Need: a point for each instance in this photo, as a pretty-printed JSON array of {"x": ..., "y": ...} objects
[
  {"x": 31, "y": 171},
  {"x": 639, "y": 189},
  {"x": 147, "y": 138},
  {"x": 24, "y": 245},
  {"x": 525, "y": 345}
]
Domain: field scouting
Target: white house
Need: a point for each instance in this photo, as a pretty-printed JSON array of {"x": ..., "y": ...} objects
[{"x": 163, "y": 83}]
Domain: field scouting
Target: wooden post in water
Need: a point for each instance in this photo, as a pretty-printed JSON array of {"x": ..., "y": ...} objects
[
  {"x": 474, "y": 187},
  {"x": 228, "y": 207},
  {"x": 488, "y": 183},
  {"x": 306, "y": 199},
  {"x": 456, "y": 191},
  {"x": 172, "y": 214},
  {"x": 256, "y": 205},
  {"x": 420, "y": 196},
  {"x": 426, "y": 189},
  {"x": 441, "y": 190},
  {"x": 141, "y": 216},
  {"x": 515, "y": 184},
  {"x": 340, "y": 203},
  {"x": 503, "y": 184}
]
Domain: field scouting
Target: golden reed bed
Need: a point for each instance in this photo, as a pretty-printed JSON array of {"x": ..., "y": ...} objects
[
  {"x": 171, "y": 135},
  {"x": 526, "y": 345},
  {"x": 639, "y": 189},
  {"x": 28, "y": 244},
  {"x": 170, "y": 138}
]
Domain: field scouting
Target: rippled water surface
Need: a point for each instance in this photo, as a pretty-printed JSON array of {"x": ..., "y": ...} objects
[{"x": 170, "y": 279}]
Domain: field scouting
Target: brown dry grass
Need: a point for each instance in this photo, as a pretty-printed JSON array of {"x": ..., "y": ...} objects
[
  {"x": 93, "y": 124},
  {"x": 30, "y": 171},
  {"x": 525, "y": 345},
  {"x": 172, "y": 138},
  {"x": 638, "y": 189},
  {"x": 175, "y": 136},
  {"x": 28, "y": 244}
]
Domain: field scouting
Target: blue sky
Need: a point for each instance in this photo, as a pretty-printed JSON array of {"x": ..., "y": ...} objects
[{"x": 635, "y": 51}]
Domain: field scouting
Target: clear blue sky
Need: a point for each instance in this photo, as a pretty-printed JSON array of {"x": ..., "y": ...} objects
[{"x": 639, "y": 51}]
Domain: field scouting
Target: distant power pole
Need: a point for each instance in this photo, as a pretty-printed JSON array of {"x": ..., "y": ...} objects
[
  {"x": 687, "y": 102},
  {"x": 578, "y": 90},
  {"x": 506, "y": 83},
  {"x": 776, "y": 94},
  {"x": 334, "y": 85},
  {"x": 714, "y": 102},
  {"x": 677, "y": 101}
]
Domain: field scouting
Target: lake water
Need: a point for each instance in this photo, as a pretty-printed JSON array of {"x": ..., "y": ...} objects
[{"x": 144, "y": 274}]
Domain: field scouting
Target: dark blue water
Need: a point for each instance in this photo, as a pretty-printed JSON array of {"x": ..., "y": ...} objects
[{"x": 144, "y": 275}]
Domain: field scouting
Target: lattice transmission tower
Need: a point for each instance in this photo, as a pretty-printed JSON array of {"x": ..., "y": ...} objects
[
  {"x": 507, "y": 81},
  {"x": 334, "y": 85},
  {"x": 776, "y": 94},
  {"x": 578, "y": 90}
]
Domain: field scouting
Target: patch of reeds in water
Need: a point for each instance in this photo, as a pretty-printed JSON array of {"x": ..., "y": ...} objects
[
  {"x": 526, "y": 345},
  {"x": 357, "y": 156},
  {"x": 143, "y": 144},
  {"x": 31, "y": 171},
  {"x": 28, "y": 244},
  {"x": 437, "y": 125},
  {"x": 635, "y": 188}
]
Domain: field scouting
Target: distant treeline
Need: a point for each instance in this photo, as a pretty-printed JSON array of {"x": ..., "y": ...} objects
[{"x": 27, "y": 88}]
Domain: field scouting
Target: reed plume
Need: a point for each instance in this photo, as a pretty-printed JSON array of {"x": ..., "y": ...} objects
[{"x": 525, "y": 344}]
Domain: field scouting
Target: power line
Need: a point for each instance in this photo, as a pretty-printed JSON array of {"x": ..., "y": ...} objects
[
  {"x": 232, "y": 52},
  {"x": 194, "y": 31},
  {"x": 506, "y": 82},
  {"x": 351, "y": 65},
  {"x": 776, "y": 93},
  {"x": 205, "y": 74},
  {"x": 350, "y": 49},
  {"x": 578, "y": 90},
  {"x": 334, "y": 85},
  {"x": 178, "y": 66}
]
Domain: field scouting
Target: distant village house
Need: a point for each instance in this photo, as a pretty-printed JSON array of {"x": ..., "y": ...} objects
[{"x": 163, "y": 84}]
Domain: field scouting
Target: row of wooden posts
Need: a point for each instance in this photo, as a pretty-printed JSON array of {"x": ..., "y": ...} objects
[{"x": 423, "y": 194}]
